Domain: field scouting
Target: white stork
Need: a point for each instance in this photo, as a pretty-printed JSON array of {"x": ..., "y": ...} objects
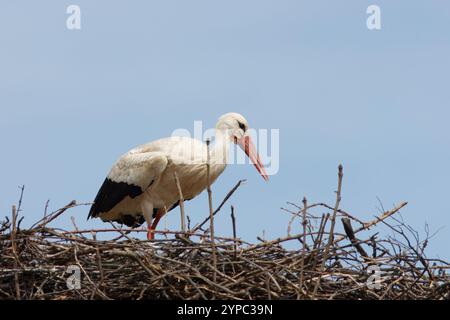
[{"x": 141, "y": 186}]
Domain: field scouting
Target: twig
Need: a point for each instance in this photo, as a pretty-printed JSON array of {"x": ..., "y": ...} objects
[
  {"x": 211, "y": 211},
  {"x": 14, "y": 249},
  {"x": 180, "y": 194},
  {"x": 233, "y": 221},
  {"x": 333, "y": 221},
  {"x": 54, "y": 215},
  {"x": 304, "y": 224},
  {"x": 229, "y": 194},
  {"x": 351, "y": 235}
]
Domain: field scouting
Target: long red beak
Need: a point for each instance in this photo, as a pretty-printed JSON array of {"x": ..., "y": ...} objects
[{"x": 247, "y": 145}]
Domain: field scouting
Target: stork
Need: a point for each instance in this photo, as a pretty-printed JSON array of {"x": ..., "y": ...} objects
[{"x": 140, "y": 186}]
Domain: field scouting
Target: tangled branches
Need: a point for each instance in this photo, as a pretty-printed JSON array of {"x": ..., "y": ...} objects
[{"x": 321, "y": 263}]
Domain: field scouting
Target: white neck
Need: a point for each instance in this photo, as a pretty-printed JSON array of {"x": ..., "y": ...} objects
[{"x": 221, "y": 148}]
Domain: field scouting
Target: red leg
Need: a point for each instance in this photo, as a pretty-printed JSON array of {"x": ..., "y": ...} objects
[{"x": 151, "y": 229}]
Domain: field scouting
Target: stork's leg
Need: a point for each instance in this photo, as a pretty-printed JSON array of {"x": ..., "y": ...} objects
[
  {"x": 147, "y": 211},
  {"x": 159, "y": 213}
]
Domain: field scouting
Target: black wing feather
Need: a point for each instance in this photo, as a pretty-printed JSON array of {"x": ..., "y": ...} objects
[{"x": 110, "y": 194}]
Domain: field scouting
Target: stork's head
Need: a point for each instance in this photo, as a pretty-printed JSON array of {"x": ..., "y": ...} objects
[{"x": 236, "y": 128}]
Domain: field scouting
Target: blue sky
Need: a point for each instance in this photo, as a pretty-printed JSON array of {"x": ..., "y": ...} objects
[{"x": 375, "y": 101}]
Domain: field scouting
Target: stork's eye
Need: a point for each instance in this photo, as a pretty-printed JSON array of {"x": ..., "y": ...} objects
[{"x": 241, "y": 125}]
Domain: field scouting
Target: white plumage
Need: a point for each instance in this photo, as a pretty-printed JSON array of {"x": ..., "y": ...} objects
[{"x": 141, "y": 186}]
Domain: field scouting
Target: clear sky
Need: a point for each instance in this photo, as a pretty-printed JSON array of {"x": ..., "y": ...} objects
[{"x": 72, "y": 101}]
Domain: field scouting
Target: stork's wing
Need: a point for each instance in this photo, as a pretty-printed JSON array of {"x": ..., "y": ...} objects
[{"x": 130, "y": 176}]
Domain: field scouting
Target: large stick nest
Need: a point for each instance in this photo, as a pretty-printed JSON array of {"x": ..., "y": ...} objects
[{"x": 317, "y": 262}]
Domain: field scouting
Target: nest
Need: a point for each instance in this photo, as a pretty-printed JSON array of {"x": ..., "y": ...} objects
[{"x": 316, "y": 262}]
